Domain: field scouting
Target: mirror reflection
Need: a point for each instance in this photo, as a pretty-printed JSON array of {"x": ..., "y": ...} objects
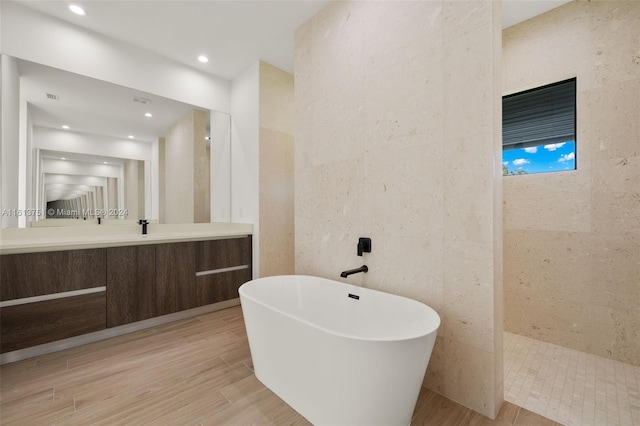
[
  {"x": 97, "y": 150},
  {"x": 79, "y": 186}
]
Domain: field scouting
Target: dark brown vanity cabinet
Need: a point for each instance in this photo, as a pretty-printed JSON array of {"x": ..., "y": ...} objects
[
  {"x": 222, "y": 267},
  {"x": 69, "y": 292},
  {"x": 153, "y": 280},
  {"x": 195, "y": 274},
  {"x": 149, "y": 281},
  {"x": 131, "y": 284},
  {"x": 113, "y": 286}
]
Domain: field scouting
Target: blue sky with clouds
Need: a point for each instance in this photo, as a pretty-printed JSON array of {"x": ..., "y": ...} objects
[{"x": 544, "y": 158}]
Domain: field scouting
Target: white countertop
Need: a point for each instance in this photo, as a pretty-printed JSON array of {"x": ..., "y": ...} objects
[{"x": 40, "y": 239}]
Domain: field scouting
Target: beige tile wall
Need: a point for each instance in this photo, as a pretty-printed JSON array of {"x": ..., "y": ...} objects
[
  {"x": 178, "y": 171},
  {"x": 572, "y": 239},
  {"x": 201, "y": 169},
  {"x": 398, "y": 139},
  {"x": 186, "y": 171},
  {"x": 276, "y": 172}
]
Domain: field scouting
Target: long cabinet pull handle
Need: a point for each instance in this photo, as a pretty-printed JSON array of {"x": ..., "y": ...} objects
[
  {"x": 52, "y": 296},
  {"x": 221, "y": 270}
]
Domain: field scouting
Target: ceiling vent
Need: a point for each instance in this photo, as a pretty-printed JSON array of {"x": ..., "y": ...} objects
[
  {"x": 142, "y": 101},
  {"x": 52, "y": 97}
]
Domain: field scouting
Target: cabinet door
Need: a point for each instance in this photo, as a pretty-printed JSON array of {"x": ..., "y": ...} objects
[
  {"x": 175, "y": 277},
  {"x": 36, "y": 274},
  {"x": 31, "y": 324},
  {"x": 131, "y": 284}
]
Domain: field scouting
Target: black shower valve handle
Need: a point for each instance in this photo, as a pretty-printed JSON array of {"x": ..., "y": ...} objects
[{"x": 364, "y": 245}]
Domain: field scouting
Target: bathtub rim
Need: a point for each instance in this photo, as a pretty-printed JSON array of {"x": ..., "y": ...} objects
[{"x": 432, "y": 329}]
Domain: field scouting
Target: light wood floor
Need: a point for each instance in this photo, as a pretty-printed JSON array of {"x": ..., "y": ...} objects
[{"x": 194, "y": 371}]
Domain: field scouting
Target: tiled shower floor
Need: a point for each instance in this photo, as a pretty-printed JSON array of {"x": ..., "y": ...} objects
[{"x": 569, "y": 386}]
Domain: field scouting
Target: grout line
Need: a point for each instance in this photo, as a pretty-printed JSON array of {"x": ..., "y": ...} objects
[
  {"x": 515, "y": 419},
  {"x": 570, "y": 386},
  {"x": 468, "y": 414},
  {"x": 224, "y": 396},
  {"x": 222, "y": 359}
]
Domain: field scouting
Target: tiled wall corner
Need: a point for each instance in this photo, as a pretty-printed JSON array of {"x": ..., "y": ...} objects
[
  {"x": 395, "y": 140},
  {"x": 572, "y": 239}
]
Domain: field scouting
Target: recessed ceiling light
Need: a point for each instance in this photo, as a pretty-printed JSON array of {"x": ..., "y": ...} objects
[
  {"x": 203, "y": 59},
  {"x": 65, "y": 127},
  {"x": 77, "y": 10},
  {"x": 130, "y": 136},
  {"x": 105, "y": 163},
  {"x": 148, "y": 114},
  {"x": 62, "y": 158}
]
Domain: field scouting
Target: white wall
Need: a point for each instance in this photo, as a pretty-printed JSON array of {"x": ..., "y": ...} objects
[
  {"x": 245, "y": 152},
  {"x": 10, "y": 138},
  {"x": 29, "y": 199},
  {"x": 80, "y": 168},
  {"x": 75, "y": 180},
  {"x": 84, "y": 143},
  {"x": 220, "y": 151}
]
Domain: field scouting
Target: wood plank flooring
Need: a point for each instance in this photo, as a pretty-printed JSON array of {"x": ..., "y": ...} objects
[{"x": 197, "y": 371}]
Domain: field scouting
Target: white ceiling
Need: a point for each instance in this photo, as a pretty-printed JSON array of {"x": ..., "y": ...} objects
[
  {"x": 93, "y": 106},
  {"x": 233, "y": 34},
  {"x": 516, "y": 11}
]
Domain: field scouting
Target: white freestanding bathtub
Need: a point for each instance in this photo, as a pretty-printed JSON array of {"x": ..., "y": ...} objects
[{"x": 337, "y": 353}]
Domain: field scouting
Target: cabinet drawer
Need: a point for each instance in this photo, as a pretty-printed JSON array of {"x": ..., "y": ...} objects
[
  {"x": 36, "y": 274},
  {"x": 220, "y": 287},
  {"x": 32, "y": 324},
  {"x": 218, "y": 254}
]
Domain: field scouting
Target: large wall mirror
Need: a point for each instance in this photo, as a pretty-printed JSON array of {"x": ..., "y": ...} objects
[{"x": 91, "y": 149}]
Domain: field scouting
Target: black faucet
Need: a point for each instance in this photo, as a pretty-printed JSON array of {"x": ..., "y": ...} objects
[
  {"x": 345, "y": 274},
  {"x": 144, "y": 224}
]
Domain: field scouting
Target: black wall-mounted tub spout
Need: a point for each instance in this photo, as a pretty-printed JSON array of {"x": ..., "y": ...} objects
[
  {"x": 144, "y": 224},
  {"x": 345, "y": 274}
]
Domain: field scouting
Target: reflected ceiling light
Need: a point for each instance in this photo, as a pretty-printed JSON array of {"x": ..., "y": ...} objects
[
  {"x": 65, "y": 127},
  {"x": 62, "y": 158},
  {"x": 203, "y": 59},
  {"x": 105, "y": 163},
  {"x": 148, "y": 114},
  {"x": 130, "y": 136},
  {"x": 77, "y": 10}
]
